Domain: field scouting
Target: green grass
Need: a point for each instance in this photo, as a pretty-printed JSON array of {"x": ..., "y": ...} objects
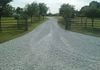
[
  {"x": 8, "y": 34},
  {"x": 6, "y": 20},
  {"x": 78, "y": 27}
]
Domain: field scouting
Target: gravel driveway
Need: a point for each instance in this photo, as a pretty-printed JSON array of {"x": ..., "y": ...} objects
[{"x": 48, "y": 47}]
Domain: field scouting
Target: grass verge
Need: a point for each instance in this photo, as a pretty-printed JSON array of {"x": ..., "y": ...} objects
[{"x": 13, "y": 33}]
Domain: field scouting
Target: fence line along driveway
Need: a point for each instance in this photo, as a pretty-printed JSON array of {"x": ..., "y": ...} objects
[{"x": 49, "y": 47}]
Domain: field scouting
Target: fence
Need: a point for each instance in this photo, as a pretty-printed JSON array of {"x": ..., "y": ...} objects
[
  {"x": 85, "y": 23},
  {"x": 8, "y": 23}
]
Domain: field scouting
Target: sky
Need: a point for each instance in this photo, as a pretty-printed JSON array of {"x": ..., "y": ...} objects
[{"x": 53, "y": 5}]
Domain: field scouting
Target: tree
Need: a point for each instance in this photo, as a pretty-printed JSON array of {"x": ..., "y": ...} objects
[
  {"x": 93, "y": 11},
  {"x": 17, "y": 15},
  {"x": 32, "y": 10},
  {"x": 67, "y": 12},
  {"x": 83, "y": 13},
  {"x": 8, "y": 11},
  {"x": 29, "y": 11},
  {"x": 19, "y": 10},
  {"x": 94, "y": 4},
  {"x": 3, "y": 3},
  {"x": 35, "y": 9},
  {"x": 42, "y": 9},
  {"x": 25, "y": 18}
]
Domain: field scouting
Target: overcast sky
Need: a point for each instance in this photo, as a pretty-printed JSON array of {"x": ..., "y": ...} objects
[{"x": 54, "y": 5}]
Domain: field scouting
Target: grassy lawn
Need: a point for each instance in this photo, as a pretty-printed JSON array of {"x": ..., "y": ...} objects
[
  {"x": 78, "y": 27},
  {"x": 11, "y": 33}
]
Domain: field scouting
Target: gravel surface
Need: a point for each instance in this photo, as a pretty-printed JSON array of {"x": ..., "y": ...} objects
[{"x": 49, "y": 47}]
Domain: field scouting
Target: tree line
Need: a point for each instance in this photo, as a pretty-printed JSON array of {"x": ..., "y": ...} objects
[
  {"x": 91, "y": 11},
  {"x": 29, "y": 11}
]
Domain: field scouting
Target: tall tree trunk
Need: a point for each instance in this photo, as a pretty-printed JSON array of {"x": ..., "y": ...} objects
[{"x": 92, "y": 22}]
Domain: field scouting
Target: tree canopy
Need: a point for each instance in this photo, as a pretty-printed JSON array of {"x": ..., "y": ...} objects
[
  {"x": 42, "y": 9},
  {"x": 91, "y": 11},
  {"x": 84, "y": 10},
  {"x": 66, "y": 10},
  {"x": 94, "y": 4},
  {"x": 4, "y": 2},
  {"x": 8, "y": 10}
]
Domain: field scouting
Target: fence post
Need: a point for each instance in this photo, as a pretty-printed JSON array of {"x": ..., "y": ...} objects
[
  {"x": 26, "y": 23},
  {"x": 66, "y": 22}
]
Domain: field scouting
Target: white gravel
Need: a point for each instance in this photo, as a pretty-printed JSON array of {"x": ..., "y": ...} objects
[{"x": 49, "y": 47}]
